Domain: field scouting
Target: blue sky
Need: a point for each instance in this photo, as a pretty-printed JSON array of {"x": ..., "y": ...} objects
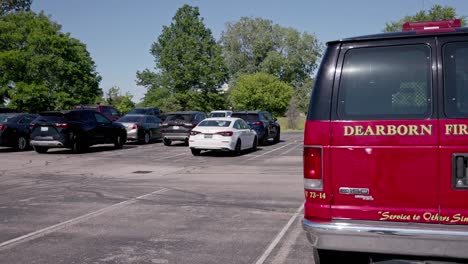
[{"x": 119, "y": 33}]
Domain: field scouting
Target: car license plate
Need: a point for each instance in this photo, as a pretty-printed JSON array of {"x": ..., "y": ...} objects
[
  {"x": 176, "y": 127},
  {"x": 44, "y": 128},
  {"x": 208, "y": 136}
]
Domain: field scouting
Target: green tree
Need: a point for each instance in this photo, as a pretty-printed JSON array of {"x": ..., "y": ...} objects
[
  {"x": 188, "y": 60},
  {"x": 253, "y": 45},
  {"x": 437, "y": 12},
  {"x": 123, "y": 102},
  {"x": 42, "y": 68},
  {"x": 7, "y": 6},
  {"x": 126, "y": 104},
  {"x": 261, "y": 91}
]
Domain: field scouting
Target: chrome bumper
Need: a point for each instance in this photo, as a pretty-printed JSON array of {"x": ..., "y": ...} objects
[
  {"x": 389, "y": 238},
  {"x": 50, "y": 144}
]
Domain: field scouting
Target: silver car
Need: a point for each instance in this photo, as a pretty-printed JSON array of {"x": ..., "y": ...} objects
[{"x": 142, "y": 128}]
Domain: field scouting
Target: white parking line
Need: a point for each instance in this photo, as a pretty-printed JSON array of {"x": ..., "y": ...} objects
[
  {"x": 168, "y": 157},
  {"x": 289, "y": 150},
  {"x": 263, "y": 154},
  {"x": 42, "y": 232},
  {"x": 278, "y": 237}
]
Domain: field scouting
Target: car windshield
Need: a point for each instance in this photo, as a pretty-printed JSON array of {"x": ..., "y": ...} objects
[
  {"x": 247, "y": 117},
  {"x": 130, "y": 119},
  {"x": 5, "y": 118},
  {"x": 138, "y": 111},
  {"x": 179, "y": 117},
  {"x": 215, "y": 123},
  {"x": 218, "y": 115}
]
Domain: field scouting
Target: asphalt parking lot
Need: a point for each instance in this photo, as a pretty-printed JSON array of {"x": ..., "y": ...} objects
[{"x": 153, "y": 204}]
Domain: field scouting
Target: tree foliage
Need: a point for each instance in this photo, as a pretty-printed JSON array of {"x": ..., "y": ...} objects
[
  {"x": 42, "y": 68},
  {"x": 188, "y": 62},
  {"x": 253, "y": 45},
  {"x": 261, "y": 91},
  {"x": 123, "y": 102},
  {"x": 7, "y": 6},
  {"x": 437, "y": 12}
]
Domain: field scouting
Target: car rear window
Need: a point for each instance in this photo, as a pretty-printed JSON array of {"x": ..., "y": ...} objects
[
  {"x": 455, "y": 60},
  {"x": 179, "y": 117},
  {"x": 130, "y": 119},
  {"x": 5, "y": 118},
  {"x": 218, "y": 115},
  {"x": 50, "y": 118},
  {"x": 247, "y": 117},
  {"x": 215, "y": 123},
  {"x": 386, "y": 83}
]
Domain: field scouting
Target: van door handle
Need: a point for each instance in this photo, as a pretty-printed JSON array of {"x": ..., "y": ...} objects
[{"x": 460, "y": 170}]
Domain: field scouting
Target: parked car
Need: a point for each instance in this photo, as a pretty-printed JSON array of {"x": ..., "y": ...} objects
[
  {"x": 263, "y": 123},
  {"x": 142, "y": 128},
  {"x": 228, "y": 134},
  {"x": 177, "y": 125},
  {"x": 386, "y": 146},
  {"x": 75, "y": 129},
  {"x": 107, "y": 110},
  {"x": 15, "y": 131},
  {"x": 220, "y": 113},
  {"x": 145, "y": 111},
  {"x": 6, "y": 110}
]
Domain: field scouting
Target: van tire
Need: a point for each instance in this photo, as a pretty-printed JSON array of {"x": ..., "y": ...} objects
[{"x": 329, "y": 257}]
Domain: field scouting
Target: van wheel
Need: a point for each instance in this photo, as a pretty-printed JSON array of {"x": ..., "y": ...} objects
[
  {"x": 167, "y": 142},
  {"x": 21, "y": 144},
  {"x": 41, "y": 149},
  {"x": 329, "y": 256},
  {"x": 195, "y": 152},
  {"x": 277, "y": 136}
]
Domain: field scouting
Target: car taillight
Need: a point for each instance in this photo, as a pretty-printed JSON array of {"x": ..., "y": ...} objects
[
  {"x": 3, "y": 127},
  {"x": 257, "y": 123},
  {"x": 225, "y": 133},
  {"x": 313, "y": 175},
  {"x": 134, "y": 126},
  {"x": 62, "y": 125},
  {"x": 32, "y": 126},
  {"x": 193, "y": 133}
]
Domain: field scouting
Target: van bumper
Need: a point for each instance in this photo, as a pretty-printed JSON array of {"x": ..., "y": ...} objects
[{"x": 389, "y": 238}]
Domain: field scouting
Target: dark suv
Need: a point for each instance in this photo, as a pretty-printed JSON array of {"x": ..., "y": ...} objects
[
  {"x": 107, "y": 110},
  {"x": 263, "y": 123},
  {"x": 178, "y": 125},
  {"x": 75, "y": 129},
  {"x": 14, "y": 130}
]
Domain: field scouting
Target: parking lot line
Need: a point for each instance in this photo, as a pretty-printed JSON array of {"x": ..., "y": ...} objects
[
  {"x": 278, "y": 237},
  {"x": 263, "y": 154},
  {"x": 168, "y": 157},
  {"x": 42, "y": 232}
]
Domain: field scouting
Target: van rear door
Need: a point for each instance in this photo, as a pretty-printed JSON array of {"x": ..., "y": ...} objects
[
  {"x": 453, "y": 131},
  {"x": 384, "y": 132}
]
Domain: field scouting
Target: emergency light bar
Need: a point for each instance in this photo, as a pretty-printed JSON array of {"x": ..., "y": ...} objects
[{"x": 432, "y": 25}]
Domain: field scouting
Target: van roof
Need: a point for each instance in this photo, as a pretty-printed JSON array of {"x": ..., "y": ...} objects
[{"x": 404, "y": 34}]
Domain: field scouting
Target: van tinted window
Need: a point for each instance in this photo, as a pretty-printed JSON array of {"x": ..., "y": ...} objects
[
  {"x": 455, "y": 56},
  {"x": 386, "y": 83}
]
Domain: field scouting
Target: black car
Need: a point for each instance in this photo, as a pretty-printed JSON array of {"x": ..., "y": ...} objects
[
  {"x": 75, "y": 129},
  {"x": 15, "y": 131},
  {"x": 263, "y": 123},
  {"x": 142, "y": 128},
  {"x": 178, "y": 125}
]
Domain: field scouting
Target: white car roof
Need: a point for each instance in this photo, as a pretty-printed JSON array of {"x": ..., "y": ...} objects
[
  {"x": 232, "y": 119},
  {"x": 221, "y": 111}
]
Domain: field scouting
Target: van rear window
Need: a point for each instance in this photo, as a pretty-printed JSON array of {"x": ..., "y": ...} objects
[
  {"x": 386, "y": 83},
  {"x": 455, "y": 56}
]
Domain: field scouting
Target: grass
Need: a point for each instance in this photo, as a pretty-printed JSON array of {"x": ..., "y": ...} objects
[{"x": 283, "y": 121}]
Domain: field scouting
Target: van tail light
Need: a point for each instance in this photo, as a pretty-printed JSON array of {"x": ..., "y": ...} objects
[
  {"x": 62, "y": 125},
  {"x": 313, "y": 174},
  {"x": 134, "y": 126},
  {"x": 193, "y": 133},
  {"x": 257, "y": 123},
  {"x": 3, "y": 127},
  {"x": 432, "y": 26},
  {"x": 225, "y": 133}
]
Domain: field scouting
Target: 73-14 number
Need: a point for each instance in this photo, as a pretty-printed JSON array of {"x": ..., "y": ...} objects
[{"x": 315, "y": 195}]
